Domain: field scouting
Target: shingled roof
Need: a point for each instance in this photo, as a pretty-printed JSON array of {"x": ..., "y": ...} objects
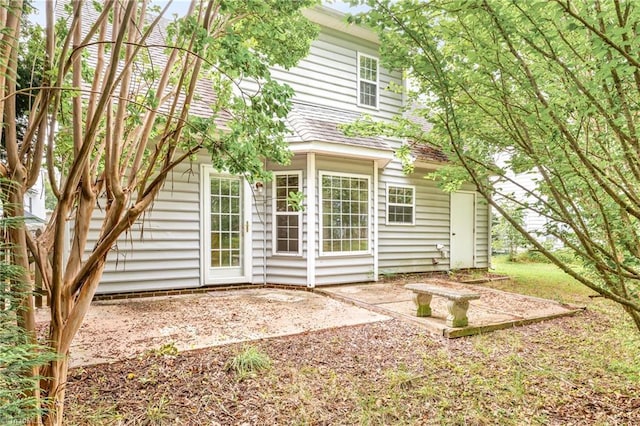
[
  {"x": 420, "y": 150},
  {"x": 425, "y": 152},
  {"x": 318, "y": 123},
  {"x": 156, "y": 60}
]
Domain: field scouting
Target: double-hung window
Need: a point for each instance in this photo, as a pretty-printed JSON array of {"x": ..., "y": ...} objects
[
  {"x": 401, "y": 205},
  {"x": 367, "y": 81},
  {"x": 344, "y": 212},
  {"x": 287, "y": 220}
]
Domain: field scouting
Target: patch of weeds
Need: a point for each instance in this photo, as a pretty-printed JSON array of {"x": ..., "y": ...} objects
[
  {"x": 151, "y": 376},
  {"x": 248, "y": 362},
  {"x": 401, "y": 378},
  {"x": 168, "y": 349},
  {"x": 95, "y": 415},
  {"x": 156, "y": 412},
  {"x": 376, "y": 410},
  {"x": 483, "y": 344},
  {"x": 387, "y": 275}
]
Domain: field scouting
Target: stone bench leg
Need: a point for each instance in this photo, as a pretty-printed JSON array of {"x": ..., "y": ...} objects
[
  {"x": 423, "y": 303},
  {"x": 457, "y": 313}
]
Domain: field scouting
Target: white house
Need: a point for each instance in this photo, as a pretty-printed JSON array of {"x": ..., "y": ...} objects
[{"x": 362, "y": 218}]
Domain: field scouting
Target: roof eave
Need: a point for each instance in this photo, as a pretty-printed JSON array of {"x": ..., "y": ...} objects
[
  {"x": 381, "y": 157},
  {"x": 429, "y": 164},
  {"x": 335, "y": 20}
]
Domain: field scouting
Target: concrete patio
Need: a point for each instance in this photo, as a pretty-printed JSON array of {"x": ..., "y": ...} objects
[
  {"x": 493, "y": 311},
  {"x": 118, "y": 329}
]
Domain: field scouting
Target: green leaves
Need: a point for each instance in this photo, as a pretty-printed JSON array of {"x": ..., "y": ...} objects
[{"x": 546, "y": 87}]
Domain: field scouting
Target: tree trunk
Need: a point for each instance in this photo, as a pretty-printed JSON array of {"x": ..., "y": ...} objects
[
  {"x": 634, "y": 314},
  {"x": 56, "y": 387}
]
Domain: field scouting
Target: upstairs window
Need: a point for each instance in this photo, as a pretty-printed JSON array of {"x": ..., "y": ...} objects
[
  {"x": 400, "y": 205},
  {"x": 287, "y": 220},
  {"x": 367, "y": 81}
]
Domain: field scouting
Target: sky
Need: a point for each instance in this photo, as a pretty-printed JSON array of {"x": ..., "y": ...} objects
[{"x": 180, "y": 6}]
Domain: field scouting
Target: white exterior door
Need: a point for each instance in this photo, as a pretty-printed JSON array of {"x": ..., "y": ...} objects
[
  {"x": 226, "y": 234},
  {"x": 463, "y": 235}
]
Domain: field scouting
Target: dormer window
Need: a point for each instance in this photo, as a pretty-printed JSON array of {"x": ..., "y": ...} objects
[{"x": 367, "y": 81}]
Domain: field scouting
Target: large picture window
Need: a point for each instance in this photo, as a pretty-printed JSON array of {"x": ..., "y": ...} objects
[
  {"x": 367, "y": 81},
  {"x": 400, "y": 205},
  {"x": 344, "y": 201},
  {"x": 287, "y": 221}
]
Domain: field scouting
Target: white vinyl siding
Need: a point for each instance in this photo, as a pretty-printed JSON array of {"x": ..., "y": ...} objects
[
  {"x": 406, "y": 248},
  {"x": 401, "y": 205},
  {"x": 328, "y": 77},
  {"x": 162, "y": 249},
  {"x": 344, "y": 213},
  {"x": 287, "y": 223},
  {"x": 414, "y": 248},
  {"x": 367, "y": 81},
  {"x": 483, "y": 229},
  {"x": 280, "y": 268}
]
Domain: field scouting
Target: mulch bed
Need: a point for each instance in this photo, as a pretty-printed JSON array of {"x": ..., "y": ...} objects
[{"x": 389, "y": 372}]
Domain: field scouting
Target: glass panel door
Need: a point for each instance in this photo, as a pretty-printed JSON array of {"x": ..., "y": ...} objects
[{"x": 225, "y": 230}]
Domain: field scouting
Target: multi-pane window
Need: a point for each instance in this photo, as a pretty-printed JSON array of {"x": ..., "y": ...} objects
[
  {"x": 345, "y": 213},
  {"x": 400, "y": 205},
  {"x": 286, "y": 218},
  {"x": 225, "y": 222},
  {"x": 367, "y": 81}
]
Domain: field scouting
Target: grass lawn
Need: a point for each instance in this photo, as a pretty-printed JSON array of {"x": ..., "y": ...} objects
[
  {"x": 581, "y": 370},
  {"x": 541, "y": 280}
]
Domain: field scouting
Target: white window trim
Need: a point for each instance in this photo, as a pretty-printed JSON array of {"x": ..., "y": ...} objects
[
  {"x": 413, "y": 215},
  {"x": 377, "y": 82},
  {"x": 321, "y": 174},
  {"x": 275, "y": 213}
]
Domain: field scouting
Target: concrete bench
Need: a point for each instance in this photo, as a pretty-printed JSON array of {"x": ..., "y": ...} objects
[{"x": 457, "y": 304}]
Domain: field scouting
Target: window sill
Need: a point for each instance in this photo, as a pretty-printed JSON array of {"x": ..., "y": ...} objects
[
  {"x": 372, "y": 108},
  {"x": 346, "y": 254}
]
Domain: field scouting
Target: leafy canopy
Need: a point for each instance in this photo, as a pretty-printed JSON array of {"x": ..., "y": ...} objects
[{"x": 548, "y": 87}]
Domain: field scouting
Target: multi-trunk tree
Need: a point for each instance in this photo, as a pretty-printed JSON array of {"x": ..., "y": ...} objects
[
  {"x": 553, "y": 87},
  {"x": 111, "y": 97}
]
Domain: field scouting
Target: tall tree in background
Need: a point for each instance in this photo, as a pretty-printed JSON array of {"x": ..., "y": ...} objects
[
  {"x": 110, "y": 117},
  {"x": 553, "y": 86}
]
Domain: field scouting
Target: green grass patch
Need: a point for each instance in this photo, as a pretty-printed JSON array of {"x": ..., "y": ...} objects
[
  {"x": 248, "y": 362},
  {"x": 541, "y": 280}
]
